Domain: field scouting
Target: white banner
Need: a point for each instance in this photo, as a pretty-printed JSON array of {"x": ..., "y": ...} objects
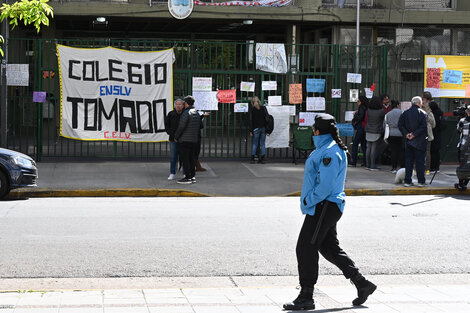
[
  {"x": 271, "y": 57},
  {"x": 279, "y": 138},
  {"x": 113, "y": 94}
]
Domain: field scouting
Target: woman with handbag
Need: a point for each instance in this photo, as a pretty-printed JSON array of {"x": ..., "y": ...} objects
[
  {"x": 257, "y": 120},
  {"x": 360, "y": 135},
  {"x": 393, "y": 136}
]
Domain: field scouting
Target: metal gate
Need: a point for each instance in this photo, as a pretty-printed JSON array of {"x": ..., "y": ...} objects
[{"x": 34, "y": 127}]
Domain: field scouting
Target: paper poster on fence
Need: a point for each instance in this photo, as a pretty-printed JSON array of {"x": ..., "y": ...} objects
[
  {"x": 240, "y": 107},
  {"x": 315, "y": 85},
  {"x": 114, "y": 94},
  {"x": 353, "y": 95},
  {"x": 369, "y": 93},
  {"x": 274, "y": 100},
  {"x": 446, "y": 76},
  {"x": 348, "y": 116},
  {"x": 247, "y": 87},
  {"x": 279, "y": 138},
  {"x": 315, "y": 104},
  {"x": 202, "y": 84},
  {"x": 307, "y": 118},
  {"x": 354, "y": 78},
  {"x": 271, "y": 57},
  {"x": 295, "y": 93},
  {"x": 269, "y": 85},
  {"x": 292, "y": 110},
  {"x": 227, "y": 96},
  {"x": 206, "y": 100},
  {"x": 336, "y": 93},
  {"x": 17, "y": 74}
]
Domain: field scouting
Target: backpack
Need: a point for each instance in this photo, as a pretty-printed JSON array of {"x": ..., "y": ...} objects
[{"x": 269, "y": 123}]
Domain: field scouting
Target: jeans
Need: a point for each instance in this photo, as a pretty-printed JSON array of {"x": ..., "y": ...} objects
[
  {"x": 326, "y": 243},
  {"x": 371, "y": 154},
  {"x": 359, "y": 137},
  {"x": 413, "y": 155},
  {"x": 173, "y": 156},
  {"x": 259, "y": 139}
]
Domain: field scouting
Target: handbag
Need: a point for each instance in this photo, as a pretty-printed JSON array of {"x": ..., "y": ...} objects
[{"x": 387, "y": 130}]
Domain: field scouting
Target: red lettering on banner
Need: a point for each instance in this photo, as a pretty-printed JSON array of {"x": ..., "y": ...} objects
[
  {"x": 105, "y": 133},
  {"x": 114, "y": 134},
  {"x": 128, "y": 137}
]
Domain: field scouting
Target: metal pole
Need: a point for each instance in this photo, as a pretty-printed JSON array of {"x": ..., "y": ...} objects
[
  {"x": 357, "y": 35},
  {"x": 3, "y": 90}
]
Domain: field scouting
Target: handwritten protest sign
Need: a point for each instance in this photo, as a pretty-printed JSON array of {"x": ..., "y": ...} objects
[
  {"x": 247, "y": 86},
  {"x": 279, "y": 138},
  {"x": 274, "y": 100},
  {"x": 354, "y": 78},
  {"x": 227, "y": 96},
  {"x": 336, "y": 93},
  {"x": 435, "y": 92},
  {"x": 17, "y": 74},
  {"x": 433, "y": 76},
  {"x": 306, "y": 118},
  {"x": 271, "y": 57},
  {"x": 202, "y": 83},
  {"x": 295, "y": 93},
  {"x": 369, "y": 93},
  {"x": 353, "y": 95},
  {"x": 206, "y": 100},
  {"x": 315, "y": 104},
  {"x": 452, "y": 77},
  {"x": 39, "y": 96},
  {"x": 315, "y": 85},
  {"x": 269, "y": 85},
  {"x": 240, "y": 107},
  {"x": 348, "y": 116}
]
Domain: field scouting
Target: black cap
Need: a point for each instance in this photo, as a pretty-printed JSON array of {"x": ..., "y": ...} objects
[
  {"x": 189, "y": 100},
  {"x": 323, "y": 122}
]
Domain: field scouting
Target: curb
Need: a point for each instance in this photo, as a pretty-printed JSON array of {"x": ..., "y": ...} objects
[{"x": 151, "y": 192}]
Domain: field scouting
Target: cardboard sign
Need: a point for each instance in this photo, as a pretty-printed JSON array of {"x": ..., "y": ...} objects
[
  {"x": 227, "y": 96},
  {"x": 295, "y": 93}
]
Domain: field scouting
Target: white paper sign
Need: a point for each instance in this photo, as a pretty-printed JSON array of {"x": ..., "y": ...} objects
[
  {"x": 354, "y": 78},
  {"x": 206, "y": 100},
  {"x": 315, "y": 104},
  {"x": 269, "y": 85},
  {"x": 292, "y": 110},
  {"x": 275, "y": 100},
  {"x": 435, "y": 92},
  {"x": 348, "y": 116},
  {"x": 353, "y": 95},
  {"x": 405, "y": 105},
  {"x": 247, "y": 86},
  {"x": 116, "y": 102},
  {"x": 279, "y": 138},
  {"x": 202, "y": 84},
  {"x": 336, "y": 93},
  {"x": 17, "y": 74},
  {"x": 307, "y": 118},
  {"x": 240, "y": 107},
  {"x": 369, "y": 93},
  {"x": 271, "y": 57}
]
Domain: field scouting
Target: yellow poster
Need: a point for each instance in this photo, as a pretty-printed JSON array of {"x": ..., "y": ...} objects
[{"x": 446, "y": 76}]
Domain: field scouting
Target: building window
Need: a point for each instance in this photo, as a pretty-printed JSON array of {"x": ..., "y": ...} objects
[
  {"x": 347, "y": 36},
  {"x": 348, "y": 3},
  {"x": 430, "y": 4}
]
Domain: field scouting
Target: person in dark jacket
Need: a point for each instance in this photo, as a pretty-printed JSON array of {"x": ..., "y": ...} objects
[
  {"x": 385, "y": 100},
  {"x": 187, "y": 135},
  {"x": 413, "y": 124},
  {"x": 322, "y": 201},
  {"x": 171, "y": 125},
  {"x": 436, "y": 131},
  {"x": 374, "y": 130},
  {"x": 257, "y": 119},
  {"x": 360, "y": 135}
]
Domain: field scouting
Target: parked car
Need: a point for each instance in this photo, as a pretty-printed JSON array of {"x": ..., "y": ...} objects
[{"x": 17, "y": 170}]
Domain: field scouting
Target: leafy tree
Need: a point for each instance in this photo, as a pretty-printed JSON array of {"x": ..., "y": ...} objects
[{"x": 29, "y": 11}]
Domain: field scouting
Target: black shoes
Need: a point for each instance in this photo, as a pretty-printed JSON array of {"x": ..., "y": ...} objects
[
  {"x": 460, "y": 188},
  {"x": 364, "y": 289},
  {"x": 303, "y": 302},
  {"x": 261, "y": 159},
  {"x": 252, "y": 159}
]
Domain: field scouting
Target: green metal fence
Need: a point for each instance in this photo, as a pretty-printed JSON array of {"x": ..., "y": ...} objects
[{"x": 34, "y": 127}]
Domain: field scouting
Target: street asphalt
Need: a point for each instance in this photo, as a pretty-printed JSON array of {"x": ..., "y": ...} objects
[{"x": 222, "y": 178}]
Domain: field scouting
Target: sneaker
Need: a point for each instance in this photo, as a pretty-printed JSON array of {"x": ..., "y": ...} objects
[
  {"x": 185, "y": 181},
  {"x": 421, "y": 184},
  {"x": 171, "y": 177},
  {"x": 408, "y": 185},
  {"x": 193, "y": 180}
]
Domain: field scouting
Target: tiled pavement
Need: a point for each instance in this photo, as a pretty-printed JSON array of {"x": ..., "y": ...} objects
[{"x": 332, "y": 295}]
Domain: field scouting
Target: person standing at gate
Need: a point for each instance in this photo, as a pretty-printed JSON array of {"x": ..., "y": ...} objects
[
  {"x": 171, "y": 125},
  {"x": 257, "y": 120},
  {"x": 374, "y": 130},
  {"x": 427, "y": 98},
  {"x": 358, "y": 123},
  {"x": 187, "y": 134},
  {"x": 322, "y": 202},
  {"x": 395, "y": 137},
  {"x": 437, "y": 133}
]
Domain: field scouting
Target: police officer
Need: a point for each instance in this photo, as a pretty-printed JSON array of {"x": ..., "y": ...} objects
[{"x": 322, "y": 202}]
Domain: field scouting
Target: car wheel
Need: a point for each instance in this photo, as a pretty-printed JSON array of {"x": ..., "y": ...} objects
[{"x": 4, "y": 185}]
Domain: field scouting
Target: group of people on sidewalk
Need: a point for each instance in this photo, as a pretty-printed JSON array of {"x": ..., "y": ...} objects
[{"x": 413, "y": 135}]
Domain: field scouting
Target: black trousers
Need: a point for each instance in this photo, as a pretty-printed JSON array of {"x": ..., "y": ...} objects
[
  {"x": 435, "y": 154},
  {"x": 327, "y": 244},
  {"x": 397, "y": 151},
  {"x": 187, "y": 152}
]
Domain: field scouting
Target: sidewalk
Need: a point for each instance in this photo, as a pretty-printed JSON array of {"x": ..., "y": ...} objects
[
  {"x": 395, "y": 293},
  {"x": 222, "y": 178}
]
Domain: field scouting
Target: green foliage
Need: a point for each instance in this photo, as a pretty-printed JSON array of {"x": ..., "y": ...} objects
[{"x": 34, "y": 12}]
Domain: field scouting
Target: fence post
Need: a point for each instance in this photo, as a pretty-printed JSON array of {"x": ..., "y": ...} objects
[{"x": 336, "y": 79}]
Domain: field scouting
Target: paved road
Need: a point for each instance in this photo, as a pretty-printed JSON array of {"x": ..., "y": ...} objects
[{"x": 123, "y": 237}]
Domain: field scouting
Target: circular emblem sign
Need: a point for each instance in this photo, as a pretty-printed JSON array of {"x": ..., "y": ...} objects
[{"x": 180, "y": 9}]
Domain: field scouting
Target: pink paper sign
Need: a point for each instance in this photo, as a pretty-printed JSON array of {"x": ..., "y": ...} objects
[
  {"x": 39, "y": 96},
  {"x": 433, "y": 78},
  {"x": 227, "y": 96}
]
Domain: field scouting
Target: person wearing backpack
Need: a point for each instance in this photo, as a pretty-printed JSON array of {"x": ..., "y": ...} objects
[{"x": 257, "y": 123}]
